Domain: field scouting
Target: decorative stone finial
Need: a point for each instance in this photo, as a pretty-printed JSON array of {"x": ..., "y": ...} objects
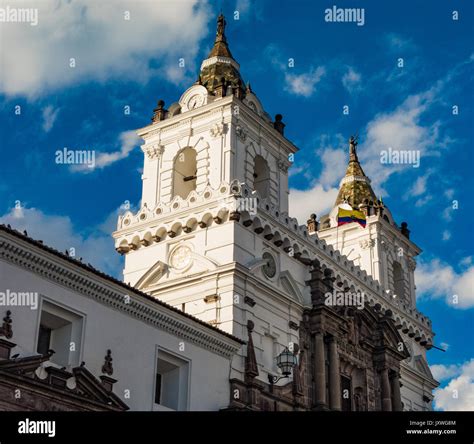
[
  {"x": 251, "y": 367},
  {"x": 6, "y": 328},
  {"x": 404, "y": 230},
  {"x": 107, "y": 367},
  {"x": 159, "y": 113},
  {"x": 312, "y": 224},
  {"x": 278, "y": 124}
]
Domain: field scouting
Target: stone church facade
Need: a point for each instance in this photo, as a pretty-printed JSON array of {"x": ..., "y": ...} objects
[
  {"x": 221, "y": 284},
  {"x": 214, "y": 238}
]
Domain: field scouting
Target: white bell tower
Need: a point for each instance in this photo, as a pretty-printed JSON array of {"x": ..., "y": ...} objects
[
  {"x": 383, "y": 249},
  {"x": 212, "y": 162}
]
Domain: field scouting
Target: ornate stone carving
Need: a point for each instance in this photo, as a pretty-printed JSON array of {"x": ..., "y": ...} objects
[
  {"x": 181, "y": 258},
  {"x": 367, "y": 243},
  {"x": 411, "y": 264},
  {"x": 6, "y": 328},
  {"x": 384, "y": 244},
  {"x": 298, "y": 374},
  {"x": 283, "y": 165},
  {"x": 154, "y": 151},
  {"x": 354, "y": 335},
  {"x": 360, "y": 404},
  {"x": 241, "y": 133},
  {"x": 218, "y": 129},
  {"x": 107, "y": 367}
]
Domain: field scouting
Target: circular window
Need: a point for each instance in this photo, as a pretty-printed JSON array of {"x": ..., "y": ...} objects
[{"x": 269, "y": 269}]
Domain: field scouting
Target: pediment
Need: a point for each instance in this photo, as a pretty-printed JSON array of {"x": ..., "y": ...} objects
[
  {"x": 152, "y": 275},
  {"x": 90, "y": 387},
  {"x": 182, "y": 262},
  {"x": 420, "y": 364},
  {"x": 290, "y": 286},
  {"x": 79, "y": 382},
  {"x": 392, "y": 338}
]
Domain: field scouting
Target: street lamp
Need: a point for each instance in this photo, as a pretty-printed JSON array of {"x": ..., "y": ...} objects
[{"x": 286, "y": 360}]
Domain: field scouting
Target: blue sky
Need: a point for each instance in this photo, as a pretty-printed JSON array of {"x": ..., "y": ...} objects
[{"x": 46, "y": 105}]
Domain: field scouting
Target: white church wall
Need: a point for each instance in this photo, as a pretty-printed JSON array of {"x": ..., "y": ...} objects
[{"x": 133, "y": 344}]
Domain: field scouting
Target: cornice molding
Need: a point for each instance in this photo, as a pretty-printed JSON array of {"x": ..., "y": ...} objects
[{"x": 97, "y": 288}]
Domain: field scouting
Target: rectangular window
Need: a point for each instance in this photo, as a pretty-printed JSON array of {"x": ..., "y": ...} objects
[
  {"x": 171, "y": 382},
  {"x": 60, "y": 330},
  {"x": 44, "y": 340}
]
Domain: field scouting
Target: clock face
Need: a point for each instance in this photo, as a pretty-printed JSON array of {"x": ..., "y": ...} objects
[
  {"x": 181, "y": 258},
  {"x": 269, "y": 269},
  {"x": 195, "y": 101}
]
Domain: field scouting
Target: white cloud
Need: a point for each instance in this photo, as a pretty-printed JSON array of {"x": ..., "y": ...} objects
[
  {"x": 436, "y": 280},
  {"x": 321, "y": 195},
  {"x": 404, "y": 129},
  {"x": 442, "y": 372},
  {"x": 449, "y": 193},
  {"x": 334, "y": 162},
  {"x": 315, "y": 200},
  {"x": 447, "y": 214},
  {"x": 446, "y": 235},
  {"x": 100, "y": 39},
  {"x": 128, "y": 141},
  {"x": 399, "y": 130},
  {"x": 242, "y": 6},
  {"x": 304, "y": 84},
  {"x": 296, "y": 170},
  {"x": 466, "y": 261},
  {"x": 97, "y": 247},
  {"x": 398, "y": 43},
  {"x": 49, "y": 117},
  {"x": 423, "y": 201},
  {"x": 419, "y": 187},
  {"x": 351, "y": 80},
  {"x": 458, "y": 394}
]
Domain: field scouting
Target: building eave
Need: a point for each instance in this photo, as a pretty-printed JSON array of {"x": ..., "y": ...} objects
[{"x": 30, "y": 254}]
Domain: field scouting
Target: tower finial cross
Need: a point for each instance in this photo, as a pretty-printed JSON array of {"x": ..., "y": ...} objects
[
  {"x": 353, "y": 142},
  {"x": 220, "y": 27}
]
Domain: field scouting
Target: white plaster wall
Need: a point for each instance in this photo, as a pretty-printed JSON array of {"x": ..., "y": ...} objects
[{"x": 133, "y": 344}]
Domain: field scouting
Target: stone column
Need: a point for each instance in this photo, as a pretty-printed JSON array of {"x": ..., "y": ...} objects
[
  {"x": 396, "y": 396},
  {"x": 386, "y": 395},
  {"x": 320, "y": 372},
  {"x": 334, "y": 376}
]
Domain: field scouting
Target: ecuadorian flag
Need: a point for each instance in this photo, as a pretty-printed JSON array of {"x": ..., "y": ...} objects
[{"x": 348, "y": 216}]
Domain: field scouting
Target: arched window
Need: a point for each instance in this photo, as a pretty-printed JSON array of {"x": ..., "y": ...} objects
[
  {"x": 261, "y": 177},
  {"x": 398, "y": 286},
  {"x": 184, "y": 173}
]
